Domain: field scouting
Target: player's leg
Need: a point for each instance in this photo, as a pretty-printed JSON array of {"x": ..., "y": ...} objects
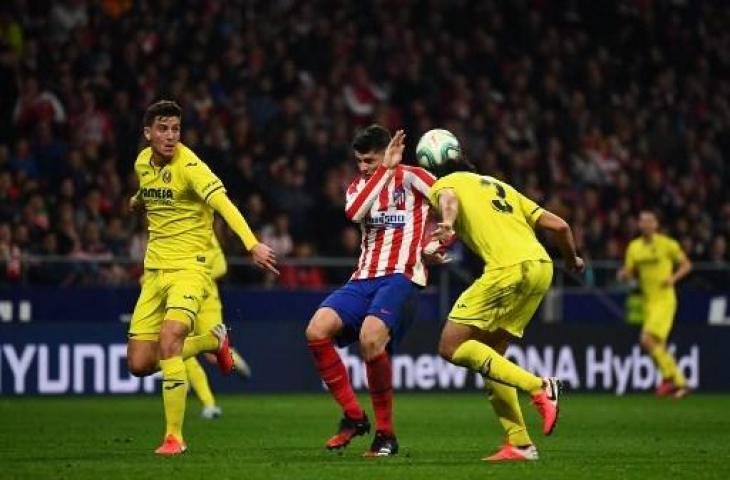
[
  {"x": 505, "y": 299},
  {"x": 481, "y": 307},
  {"x": 536, "y": 277},
  {"x": 210, "y": 335},
  {"x": 518, "y": 444},
  {"x": 338, "y": 318},
  {"x": 390, "y": 312},
  {"x": 209, "y": 319},
  {"x": 459, "y": 344},
  {"x": 143, "y": 353},
  {"x": 185, "y": 291},
  {"x": 659, "y": 317},
  {"x": 374, "y": 337},
  {"x": 199, "y": 383},
  {"x": 175, "y": 382}
]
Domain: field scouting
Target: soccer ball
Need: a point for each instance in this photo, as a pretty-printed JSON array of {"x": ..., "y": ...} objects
[{"x": 436, "y": 147}]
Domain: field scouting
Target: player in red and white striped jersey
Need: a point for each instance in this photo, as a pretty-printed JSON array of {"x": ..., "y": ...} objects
[
  {"x": 391, "y": 206},
  {"x": 390, "y": 202}
]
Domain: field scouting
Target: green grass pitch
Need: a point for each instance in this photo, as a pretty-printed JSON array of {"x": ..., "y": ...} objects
[{"x": 442, "y": 436}]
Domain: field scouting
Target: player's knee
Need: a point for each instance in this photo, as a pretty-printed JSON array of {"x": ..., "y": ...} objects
[
  {"x": 647, "y": 342},
  {"x": 315, "y": 332},
  {"x": 371, "y": 348},
  {"x": 140, "y": 367},
  {"x": 446, "y": 349},
  {"x": 322, "y": 326},
  {"x": 373, "y": 339},
  {"x": 170, "y": 344}
]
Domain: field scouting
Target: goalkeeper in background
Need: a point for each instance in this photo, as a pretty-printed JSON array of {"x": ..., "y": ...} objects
[{"x": 651, "y": 259}]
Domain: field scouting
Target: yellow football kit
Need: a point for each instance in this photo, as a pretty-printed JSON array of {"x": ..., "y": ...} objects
[
  {"x": 177, "y": 277},
  {"x": 654, "y": 261},
  {"x": 497, "y": 222},
  {"x": 211, "y": 311}
]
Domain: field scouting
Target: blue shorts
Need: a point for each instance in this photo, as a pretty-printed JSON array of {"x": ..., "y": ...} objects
[{"x": 393, "y": 299}]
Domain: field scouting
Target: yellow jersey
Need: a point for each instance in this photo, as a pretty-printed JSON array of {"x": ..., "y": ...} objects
[
  {"x": 494, "y": 220},
  {"x": 653, "y": 261},
  {"x": 180, "y": 220},
  {"x": 217, "y": 259}
]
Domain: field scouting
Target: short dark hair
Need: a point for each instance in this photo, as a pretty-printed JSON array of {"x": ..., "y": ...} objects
[
  {"x": 373, "y": 138},
  {"x": 161, "y": 108},
  {"x": 651, "y": 211}
]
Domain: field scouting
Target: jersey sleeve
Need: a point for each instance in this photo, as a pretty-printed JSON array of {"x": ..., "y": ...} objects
[
  {"x": 531, "y": 210},
  {"x": 419, "y": 179},
  {"x": 360, "y": 199},
  {"x": 440, "y": 184},
  {"x": 202, "y": 180},
  {"x": 675, "y": 251},
  {"x": 630, "y": 258},
  {"x": 218, "y": 264}
]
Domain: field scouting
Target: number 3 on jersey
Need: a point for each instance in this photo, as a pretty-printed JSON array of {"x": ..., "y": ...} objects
[{"x": 499, "y": 204}]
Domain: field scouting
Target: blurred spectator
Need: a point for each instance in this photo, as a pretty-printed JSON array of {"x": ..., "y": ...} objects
[
  {"x": 277, "y": 235},
  {"x": 302, "y": 276},
  {"x": 35, "y": 105},
  {"x": 552, "y": 105},
  {"x": 50, "y": 273}
]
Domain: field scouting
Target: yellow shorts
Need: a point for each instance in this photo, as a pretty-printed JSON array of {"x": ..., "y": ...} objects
[
  {"x": 168, "y": 295},
  {"x": 505, "y": 298},
  {"x": 210, "y": 314},
  {"x": 659, "y": 315}
]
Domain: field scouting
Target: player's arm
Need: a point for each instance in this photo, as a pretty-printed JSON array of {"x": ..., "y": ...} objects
[
  {"x": 448, "y": 209},
  {"x": 564, "y": 236},
  {"x": 135, "y": 202},
  {"x": 263, "y": 255},
  {"x": 359, "y": 203},
  {"x": 684, "y": 266},
  {"x": 628, "y": 270},
  {"x": 211, "y": 190},
  {"x": 625, "y": 273}
]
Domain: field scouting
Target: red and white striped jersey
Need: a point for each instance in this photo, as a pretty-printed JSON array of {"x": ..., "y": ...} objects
[{"x": 391, "y": 208}]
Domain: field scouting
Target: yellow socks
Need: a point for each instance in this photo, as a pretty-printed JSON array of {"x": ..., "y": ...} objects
[
  {"x": 667, "y": 366},
  {"x": 174, "y": 393},
  {"x": 505, "y": 404},
  {"x": 199, "y": 382},
  {"x": 196, "y": 344},
  {"x": 484, "y": 359}
]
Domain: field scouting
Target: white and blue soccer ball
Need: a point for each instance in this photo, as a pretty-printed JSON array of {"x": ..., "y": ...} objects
[{"x": 436, "y": 147}]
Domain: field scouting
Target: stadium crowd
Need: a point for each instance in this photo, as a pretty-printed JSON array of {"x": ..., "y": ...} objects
[{"x": 593, "y": 109}]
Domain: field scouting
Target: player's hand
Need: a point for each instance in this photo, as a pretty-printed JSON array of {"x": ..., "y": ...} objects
[
  {"x": 622, "y": 275},
  {"x": 444, "y": 231},
  {"x": 435, "y": 258},
  {"x": 394, "y": 150},
  {"x": 668, "y": 282},
  {"x": 135, "y": 205},
  {"x": 264, "y": 257},
  {"x": 577, "y": 265}
]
